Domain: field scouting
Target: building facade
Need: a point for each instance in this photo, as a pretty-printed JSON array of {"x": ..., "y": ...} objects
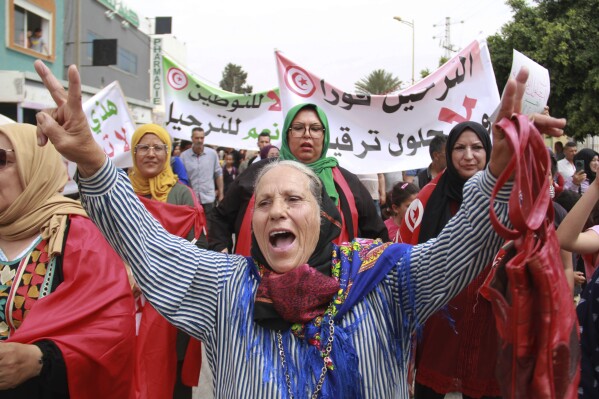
[{"x": 61, "y": 32}]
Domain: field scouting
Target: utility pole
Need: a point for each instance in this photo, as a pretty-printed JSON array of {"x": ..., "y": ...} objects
[
  {"x": 78, "y": 34},
  {"x": 446, "y": 39}
]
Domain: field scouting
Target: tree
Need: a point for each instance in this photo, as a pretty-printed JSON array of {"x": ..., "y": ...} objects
[
  {"x": 561, "y": 36},
  {"x": 378, "y": 81},
  {"x": 234, "y": 79},
  {"x": 443, "y": 59}
]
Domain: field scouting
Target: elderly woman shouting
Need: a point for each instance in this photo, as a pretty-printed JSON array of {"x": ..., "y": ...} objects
[
  {"x": 306, "y": 140},
  {"x": 302, "y": 316},
  {"x": 66, "y": 309}
]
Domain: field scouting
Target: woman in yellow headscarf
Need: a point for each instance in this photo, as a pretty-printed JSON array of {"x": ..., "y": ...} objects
[
  {"x": 66, "y": 310},
  {"x": 174, "y": 205}
]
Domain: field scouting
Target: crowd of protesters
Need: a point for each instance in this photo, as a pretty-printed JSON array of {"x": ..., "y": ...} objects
[{"x": 274, "y": 318}]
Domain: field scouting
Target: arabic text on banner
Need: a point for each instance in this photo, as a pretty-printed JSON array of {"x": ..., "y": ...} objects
[
  {"x": 228, "y": 119},
  {"x": 385, "y": 133}
]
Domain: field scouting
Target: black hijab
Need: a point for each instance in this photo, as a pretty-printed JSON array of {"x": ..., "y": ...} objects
[
  {"x": 450, "y": 185},
  {"x": 587, "y": 155}
]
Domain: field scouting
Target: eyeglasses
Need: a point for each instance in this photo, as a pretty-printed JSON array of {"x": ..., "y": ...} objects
[
  {"x": 144, "y": 149},
  {"x": 316, "y": 131},
  {"x": 4, "y": 158}
]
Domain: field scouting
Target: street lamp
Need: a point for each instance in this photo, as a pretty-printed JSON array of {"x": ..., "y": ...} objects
[{"x": 411, "y": 25}]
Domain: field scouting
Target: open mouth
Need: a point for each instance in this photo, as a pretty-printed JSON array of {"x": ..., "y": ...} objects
[{"x": 281, "y": 239}]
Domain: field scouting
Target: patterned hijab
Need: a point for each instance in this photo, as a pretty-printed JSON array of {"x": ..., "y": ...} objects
[
  {"x": 450, "y": 185},
  {"x": 40, "y": 208},
  {"x": 160, "y": 185},
  {"x": 322, "y": 166}
]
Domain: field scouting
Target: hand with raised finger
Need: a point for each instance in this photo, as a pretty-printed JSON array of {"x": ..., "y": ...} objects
[
  {"x": 511, "y": 103},
  {"x": 66, "y": 126}
]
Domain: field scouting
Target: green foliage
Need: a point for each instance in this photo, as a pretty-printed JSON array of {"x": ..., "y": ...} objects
[
  {"x": 563, "y": 37},
  {"x": 378, "y": 81},
  {"x": 424, "y": 73},
  {"x": 234, "y": 80}
]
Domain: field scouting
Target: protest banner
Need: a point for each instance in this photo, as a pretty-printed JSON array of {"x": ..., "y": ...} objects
[
  {"x": 112, "y": 126},
  {"x": 385, "y": 133},
  {"x": 228, "y": 119}
]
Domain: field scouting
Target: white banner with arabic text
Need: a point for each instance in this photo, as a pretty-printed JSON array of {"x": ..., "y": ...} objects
[
  {"x": 385, "y": 133},
  {"x": 228, "y": 119}
]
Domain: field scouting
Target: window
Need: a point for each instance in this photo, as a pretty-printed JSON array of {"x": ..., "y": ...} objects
[
  {"x": 32, "y": 27},
  {"x": 125, "y": 60}
]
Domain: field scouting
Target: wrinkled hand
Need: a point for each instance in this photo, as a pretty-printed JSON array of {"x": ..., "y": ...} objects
[
  {"x": 18, "y": 363},
  {"x": 66, "y": 126},
  {"x": 511, "y": 103}
]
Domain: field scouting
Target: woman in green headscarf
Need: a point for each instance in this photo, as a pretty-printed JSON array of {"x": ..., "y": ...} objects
[{"x": 305, "y": 139}]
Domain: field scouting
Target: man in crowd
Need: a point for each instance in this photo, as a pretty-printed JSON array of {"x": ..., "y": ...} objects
[
  {"x": 203, "y": 170},
  {"x": 263, "y": 141},
  {"x": 566, "y": 166},
  {"x": 436, "y": 150}
]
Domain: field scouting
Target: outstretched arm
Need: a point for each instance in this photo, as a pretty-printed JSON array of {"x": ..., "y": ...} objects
[
  {"x": 180, "y": 280},
  {"x": 570, "y": 234}
]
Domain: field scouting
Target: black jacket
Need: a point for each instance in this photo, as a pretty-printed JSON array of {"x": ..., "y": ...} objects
[{"x": 227, "y": 217}]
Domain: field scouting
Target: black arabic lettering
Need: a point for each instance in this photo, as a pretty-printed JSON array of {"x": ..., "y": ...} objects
[
  {"x": 347, "y": 144},
  {"x": 235, "y": 106},
  {"x": 254, "y": 105},
  {"x": 396, "y": 153},
  {"x": 171, "y": 119},
  {"x": 450, "y": 83},
  {"x": 370, "y": 147},
  {"x": 199, "y": 95},
  {"x": 212, "y": 129},
  {"x": 471, "y": 63},
  {"x": 350, "y": 100},
  {"x": 217, "y": 100},
  {"x": 412, "y": 144},
  {"x": 431, "y": 134},
  {"x": 415, "y": 97},
  {"x": 324, "y": 93},
  {"x": 192, "y": 121}
]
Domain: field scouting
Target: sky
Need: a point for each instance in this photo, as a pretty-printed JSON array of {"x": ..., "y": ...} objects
[{"x": 341, "y": 41}]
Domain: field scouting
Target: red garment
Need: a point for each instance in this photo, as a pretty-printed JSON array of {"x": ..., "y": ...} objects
[
  {"x": 90, "y": 317},
  {"x": 156, "y": 359},
  {"x": 460, "y": 359},
  {"x": 299, "y": 295},
  {"x": 244, "y": 241},
  {"x": 410, "y": 228},
  {"x": 393, "y": 230},
  {"x": 177, "y": 219}
]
